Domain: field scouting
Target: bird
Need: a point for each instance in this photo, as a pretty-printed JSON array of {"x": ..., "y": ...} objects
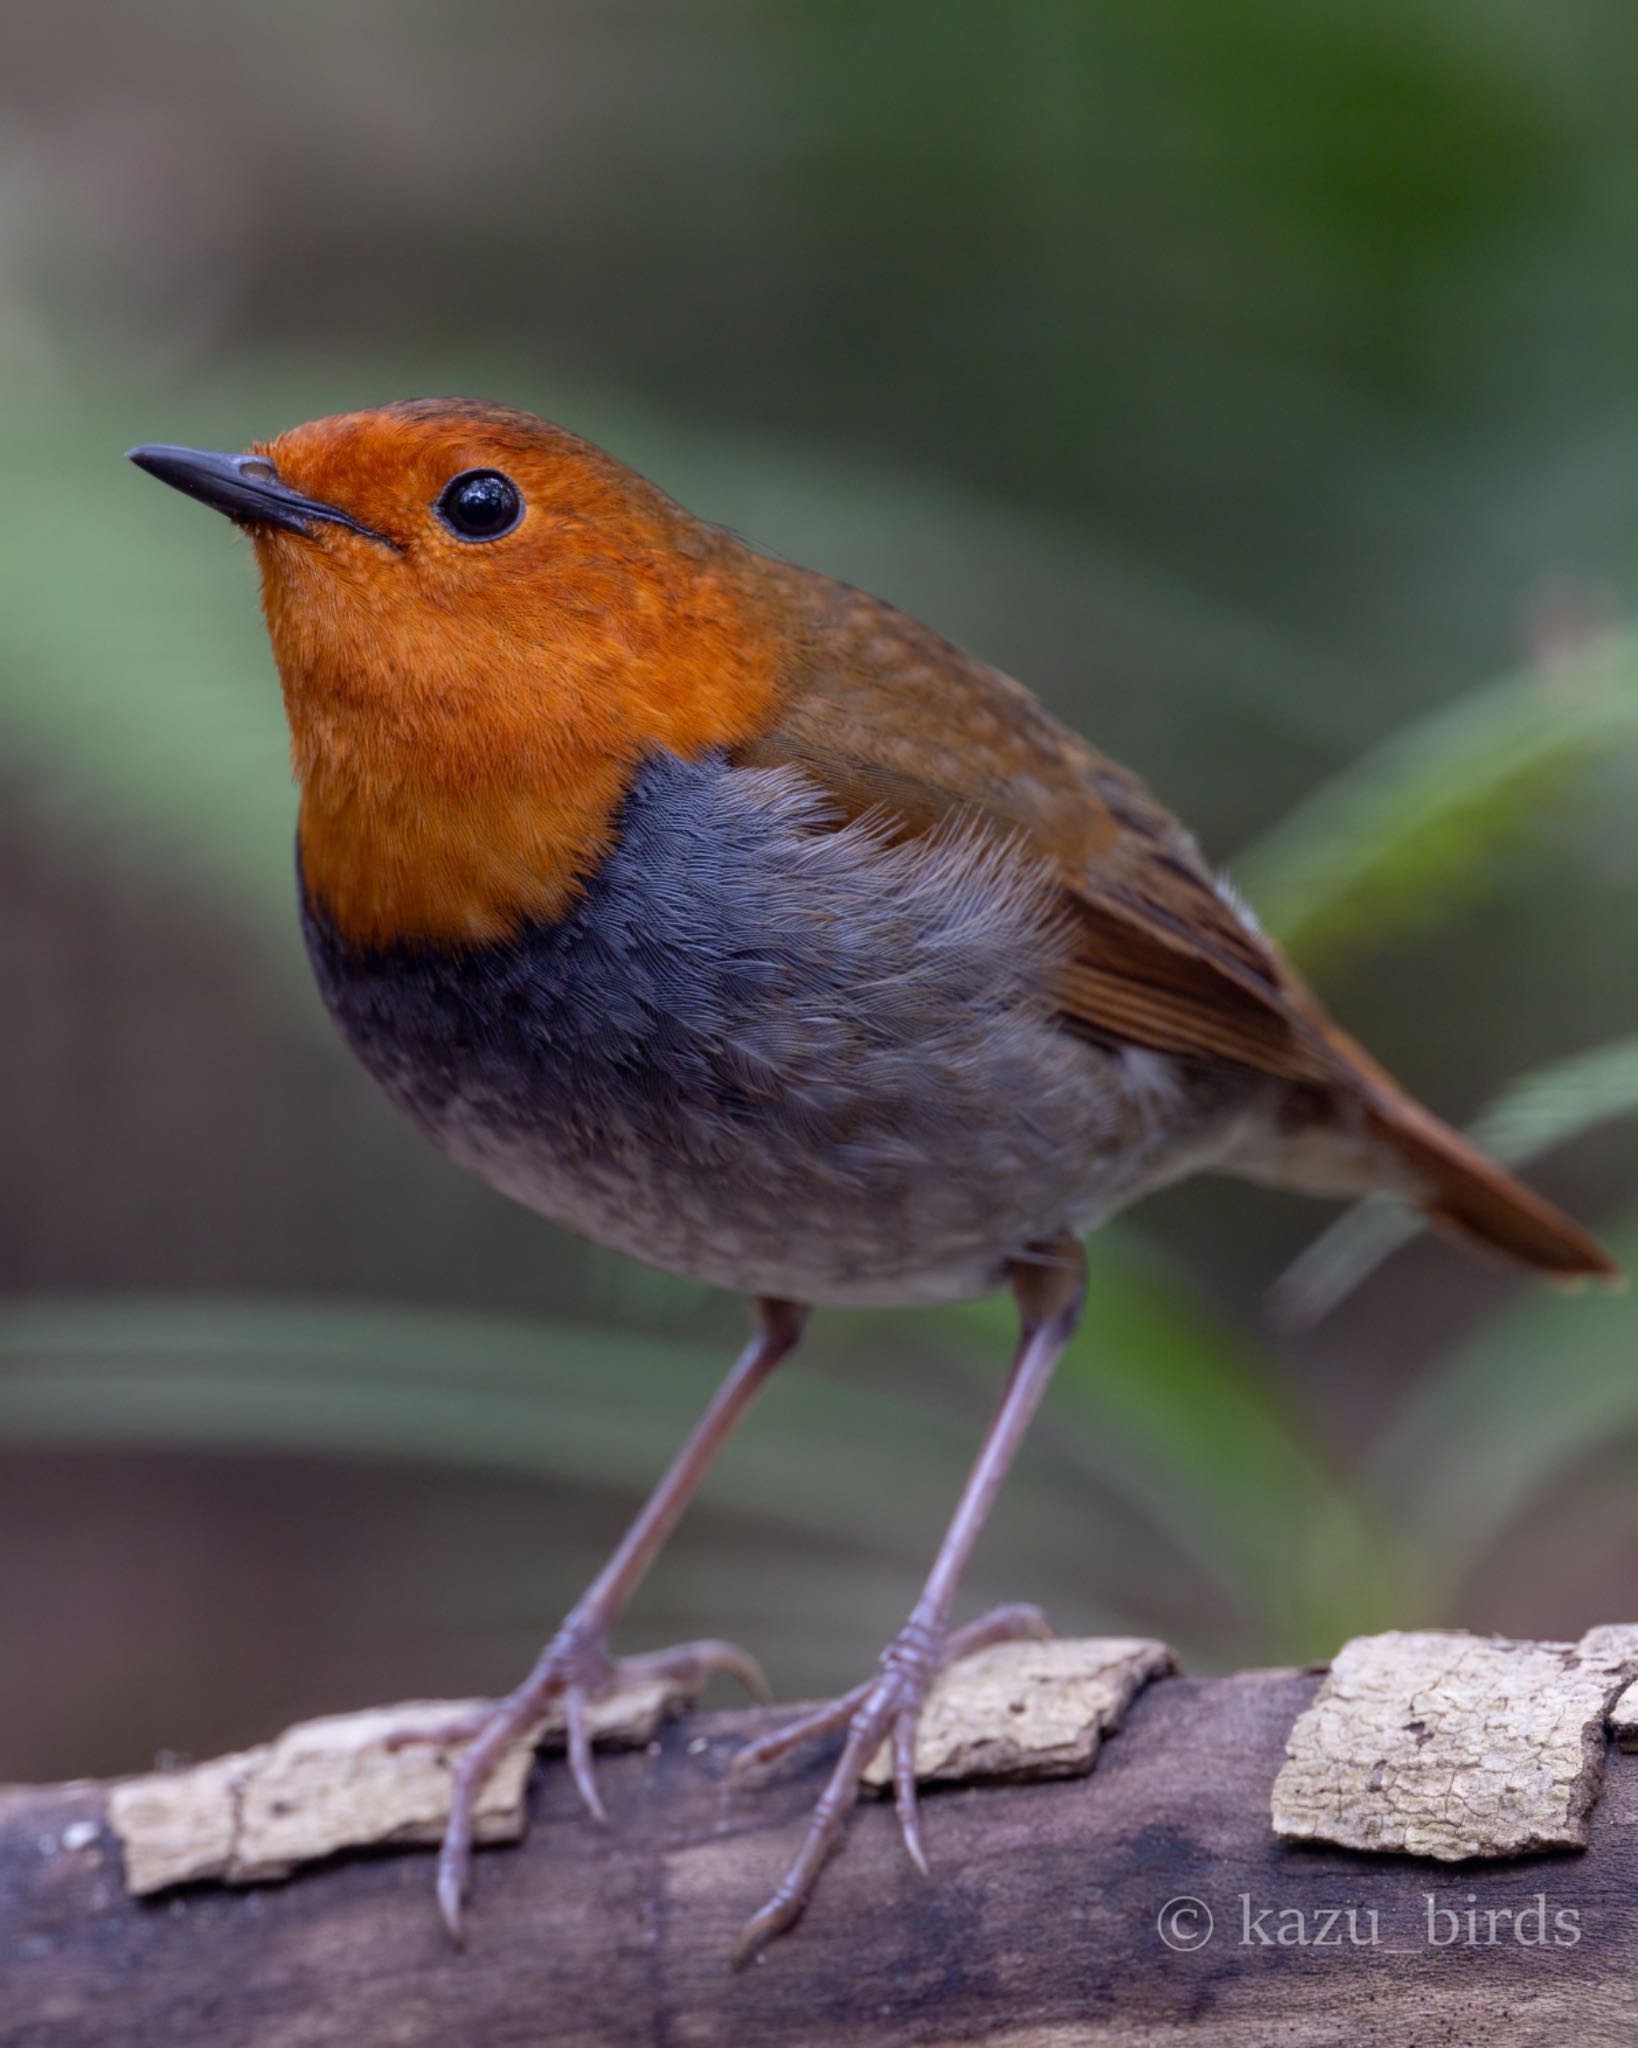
[{"x": 730, "y": 917}]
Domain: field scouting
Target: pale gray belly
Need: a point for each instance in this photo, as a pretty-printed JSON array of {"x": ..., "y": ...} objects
[{"x": 779, "y": 1058}]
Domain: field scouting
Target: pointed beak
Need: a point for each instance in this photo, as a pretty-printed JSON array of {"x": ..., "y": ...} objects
[{"x": 246, "y": 488}]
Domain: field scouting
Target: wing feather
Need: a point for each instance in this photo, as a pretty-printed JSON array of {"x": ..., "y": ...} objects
[{"x": 892, "y": 720}]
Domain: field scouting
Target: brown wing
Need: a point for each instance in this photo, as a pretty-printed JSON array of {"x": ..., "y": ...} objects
[{"x": 889, "y": 718}]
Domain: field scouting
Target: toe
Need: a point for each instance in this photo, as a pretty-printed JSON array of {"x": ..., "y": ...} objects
[
  {"x": 448, "y": 1731},
  {"x": 1009, "y": 1624},
  {"x": 874, "y": 1713},
  {"x": 825, "y": 1720}
]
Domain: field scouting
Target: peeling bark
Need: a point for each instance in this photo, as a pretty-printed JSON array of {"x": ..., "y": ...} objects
[
  {"x": 334, "y": 1784},
  {"x": 1028, "y": 1709},
  {"x": 1449, "y": 1746}
]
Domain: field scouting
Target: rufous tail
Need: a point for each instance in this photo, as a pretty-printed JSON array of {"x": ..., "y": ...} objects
[{"x": 1469, "y": 1197}]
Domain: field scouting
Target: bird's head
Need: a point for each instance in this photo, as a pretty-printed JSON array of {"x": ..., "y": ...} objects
[{"x": 482, "y": 625}]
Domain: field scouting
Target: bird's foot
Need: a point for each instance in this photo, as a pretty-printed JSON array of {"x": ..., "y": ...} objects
[
  {"x": 575, "y": 1668},
  {"x": 886, "y": 1708}
]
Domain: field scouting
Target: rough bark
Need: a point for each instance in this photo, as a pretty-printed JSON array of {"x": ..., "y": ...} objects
[{"x": 1452, "y": 1746}]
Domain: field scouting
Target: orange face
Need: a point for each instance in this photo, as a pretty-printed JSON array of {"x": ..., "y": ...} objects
[{"x": 473, "y": 679}]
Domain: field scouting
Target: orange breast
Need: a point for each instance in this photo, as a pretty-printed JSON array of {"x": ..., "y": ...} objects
[{"x": 462, "y": 764}]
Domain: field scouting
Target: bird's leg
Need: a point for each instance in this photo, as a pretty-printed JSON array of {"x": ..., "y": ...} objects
[
  {"x": 887, "y": 1708},
  {"x": 576, "y": 1665}
]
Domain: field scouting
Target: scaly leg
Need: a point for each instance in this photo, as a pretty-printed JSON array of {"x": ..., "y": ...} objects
[
  {"x": 576, "y": 1665},
  {"x": 887, "y": 1708}
]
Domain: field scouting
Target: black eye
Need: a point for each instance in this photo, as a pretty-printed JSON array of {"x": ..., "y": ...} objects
[{"x": 480, "y": 504}]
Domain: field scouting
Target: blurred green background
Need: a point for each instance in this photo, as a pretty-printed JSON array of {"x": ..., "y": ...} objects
[{"x": 1258, "y": 381}]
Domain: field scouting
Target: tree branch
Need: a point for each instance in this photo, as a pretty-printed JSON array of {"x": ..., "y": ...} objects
[{"x": 1046, "y": 1922}]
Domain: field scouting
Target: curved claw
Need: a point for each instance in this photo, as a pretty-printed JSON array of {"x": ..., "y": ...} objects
[
  {"x": 740, "y": 1664},
  {"x": 904, "y": 1790},
  {"x": 580, "y": 1753},
  {"x": 689, "y": 1665},
  {"x": 777, "y": 1917},
  {"x": 451, "y": 1895}
]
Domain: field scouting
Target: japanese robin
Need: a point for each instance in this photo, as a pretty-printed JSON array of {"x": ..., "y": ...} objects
[{"x": 731, "y": 917}]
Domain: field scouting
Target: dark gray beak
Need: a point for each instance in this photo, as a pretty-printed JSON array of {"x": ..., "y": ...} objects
[{"x": 245, "y": 487}]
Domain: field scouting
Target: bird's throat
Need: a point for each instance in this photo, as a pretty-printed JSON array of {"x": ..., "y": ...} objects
[{"x": 449, "y": 866}]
